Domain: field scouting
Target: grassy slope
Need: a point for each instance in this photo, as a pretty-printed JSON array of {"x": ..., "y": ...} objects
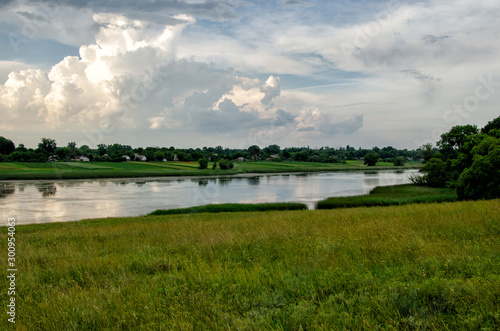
[
  {"x": 74, "y": 170},
  {"x": 415, "y": 266},
  {"x": 391, "y": 195}
]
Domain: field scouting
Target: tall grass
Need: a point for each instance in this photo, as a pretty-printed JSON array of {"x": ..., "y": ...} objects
[
  {"x": 391, "y": 195},
  {"x": 232, "y": 207},
  {"x": 426, "y": 266}
]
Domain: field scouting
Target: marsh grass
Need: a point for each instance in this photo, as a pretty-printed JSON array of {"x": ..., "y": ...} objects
[
  {"x": 391, "y": 195},
  {"x": 425, "y": 266},
  {"x": 232, "y": 207}
]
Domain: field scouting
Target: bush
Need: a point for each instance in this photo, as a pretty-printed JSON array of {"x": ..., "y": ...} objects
[
  {"x": 203, "y": 163},
  {"x": 225, "y": 164},
  {"x": 399, "y": 161}
]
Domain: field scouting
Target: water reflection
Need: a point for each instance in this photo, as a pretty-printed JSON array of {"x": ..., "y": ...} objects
[
  {"x": 254, "y": 181},
  {"x": 47, "y": 189},
  {"x": 6, "y": 189},
  {"x": 51, "y": 201}
]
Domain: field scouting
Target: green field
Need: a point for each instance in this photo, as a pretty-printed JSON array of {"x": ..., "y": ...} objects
[
  {"x": 83, "y": 170},
  {"x": 391, "y": 195},
  {"x": 411, "y": 267}
]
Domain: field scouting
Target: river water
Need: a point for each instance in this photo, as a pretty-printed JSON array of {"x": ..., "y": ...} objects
[{"x": 44, "y": 201}]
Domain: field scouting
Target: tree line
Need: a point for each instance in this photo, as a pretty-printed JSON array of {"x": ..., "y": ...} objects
[{"x": 48, "y": 149}]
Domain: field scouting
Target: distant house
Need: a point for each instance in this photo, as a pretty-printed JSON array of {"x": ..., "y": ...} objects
[
  {"x": 275, "y": 156},
  {"x": 139, "y": 157},
  {"x": 164, "y": 160},
  {"x": 84, "y": 159},
  {"x": 240, "y": 159},
  {"x": 126, "y": 157},
  {"x": 52, "y": 158},
  {"x": 176, "y": 158}
]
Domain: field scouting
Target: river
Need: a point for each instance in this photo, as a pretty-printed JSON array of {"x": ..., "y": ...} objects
[{"x": 44, "y": 201}]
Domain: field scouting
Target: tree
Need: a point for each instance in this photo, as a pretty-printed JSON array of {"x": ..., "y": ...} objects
[
  {"x": 492, "y": 125},
  {"x": 435, "y": 173},
  {"x": 203, "y": 163},
  {"x": 427, "y": 152},
  {"x": 453, "y": 141},
  {"x": 72, "y": 144},
  {"x": 482, "y": 179},
  {"x": 225, "y": 164},
  {"x": 371, "y": 159},
  {"x": 274, "y": 149},
  {"x": 399, "y": 161},
  {"x": 254, "y": 150},
  {"x": 48, "y": 145},
  {"x": 6, "y": 146}
]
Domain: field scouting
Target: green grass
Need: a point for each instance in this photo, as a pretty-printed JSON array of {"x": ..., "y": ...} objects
[
  {"x": 232, "y": 208},
  {"x": 412, "y": 267},
  {"x": 84, "y": 170},
  {"x": 391, "y": 195}
]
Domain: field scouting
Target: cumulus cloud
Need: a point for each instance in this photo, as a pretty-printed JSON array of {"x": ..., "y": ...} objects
[
  {"x": 132, "y": 79},
  {"x": 271, "y": 89}
]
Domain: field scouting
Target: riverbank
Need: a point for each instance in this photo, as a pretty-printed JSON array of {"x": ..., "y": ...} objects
[
  {"x": 414, "y": 266},
  {"x": 93, "y": 170}
]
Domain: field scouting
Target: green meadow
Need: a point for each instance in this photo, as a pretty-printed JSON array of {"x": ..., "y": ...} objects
[
  {"x": 409, "y": 267},
  {"x": 83, "y": 170}
]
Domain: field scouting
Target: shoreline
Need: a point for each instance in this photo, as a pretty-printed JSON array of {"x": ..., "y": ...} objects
[{"x": 57, "y": 176}]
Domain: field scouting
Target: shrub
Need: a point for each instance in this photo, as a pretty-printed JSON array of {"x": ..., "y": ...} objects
[
  {"x": 225, "y": 164},
  {"x": 399, "y": 161},
  {"x": 203, "y": 163}
]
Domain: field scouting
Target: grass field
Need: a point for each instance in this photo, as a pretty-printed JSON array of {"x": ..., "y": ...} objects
[
  {"x": 83, "y": 170},
  {"x": 412, "y": 267},
  {"x": 391, "y": 195}
]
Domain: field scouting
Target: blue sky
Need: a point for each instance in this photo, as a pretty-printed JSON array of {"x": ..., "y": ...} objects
[{"x": 236, "y": 73}]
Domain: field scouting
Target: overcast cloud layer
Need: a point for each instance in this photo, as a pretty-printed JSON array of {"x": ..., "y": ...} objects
[{"x": 237, "y": 73}]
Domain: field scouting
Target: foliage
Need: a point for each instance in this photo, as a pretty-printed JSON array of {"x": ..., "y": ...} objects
[
  {"x": 371, "y": 159},
  {"x": 6, "y": 146},
  {"x": 399, "y": 161},
  {"x": 482, "y": 179},
  {"x": 226, "y": 164},
  {"x": 254, "y": 150},
  {"x": 232, "y": 207},
  {"x": 203, "y": 163},
  {"x": 435, "y": 173},
  {"x": 48, "y": 145}
]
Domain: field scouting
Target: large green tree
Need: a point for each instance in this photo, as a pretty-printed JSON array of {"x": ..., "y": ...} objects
[
  {"x": 48, "y": 145},
  {"x": 482, "y": 179},
  {"x": 6, "y": 146},
  {"x": 371, "y": 159}
]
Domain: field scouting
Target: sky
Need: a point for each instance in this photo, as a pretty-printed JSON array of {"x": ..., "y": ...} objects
[{"x": 236, "y": 73}]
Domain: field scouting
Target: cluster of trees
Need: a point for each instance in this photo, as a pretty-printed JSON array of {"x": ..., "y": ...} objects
[
  {"x": 116, "y": 152},
  {"x": 468, "y": 159}
]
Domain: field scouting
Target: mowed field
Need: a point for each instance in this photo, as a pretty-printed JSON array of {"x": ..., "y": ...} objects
[
  {"x": 411, "y": 267},
  {"x": 82, "y": 170}
]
